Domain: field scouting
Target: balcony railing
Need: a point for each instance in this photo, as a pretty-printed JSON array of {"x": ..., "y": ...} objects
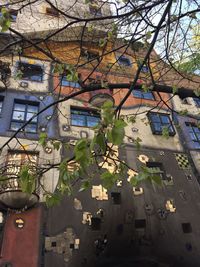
[{"x": 99, "y": 97}]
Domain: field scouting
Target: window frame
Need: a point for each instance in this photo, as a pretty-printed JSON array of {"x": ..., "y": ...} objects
[
  {"x": 92, "y": 113},
  {"x": 25, "y": 112},
  {"x": 1, "y": 105},
  {"x": 64, "y": 82},
  {"x": 121, "y": 63},
  {"x": 162, "y": 124},
  {"x": 197, "y": 101},
  {"x": 29, "y": 78},
  {"x": 191, "y": 126}
]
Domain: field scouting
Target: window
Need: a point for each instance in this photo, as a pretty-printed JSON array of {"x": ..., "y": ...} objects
[
  {"x": 52, "y": 12},
  {"x": 123, "y": 60},
  {"x": 65, "y": 82},
  {"x": 15, "y": 161},
  {"x": 145, "y": 68},
  {"x": 13, "y": 15},
  {"x": 187, "y": 228},
  {"x": 22, "y": 112},
  {"x": 194, "y": 132},
  {"x": 1, "y": 103},
  {"x": 84, "y": 117},
  {"x": 94, "y": 8},
  {"x": 30, "y": 72},
  {"x": 143, "y": 95},
  {"x": 159, "y": 122},
  {"x": 89, "y": 55},
  {"x": 157, "y": 167},
  {"x": 197, "y": 102}
]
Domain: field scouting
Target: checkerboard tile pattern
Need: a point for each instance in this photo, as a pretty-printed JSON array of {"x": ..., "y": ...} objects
[{"x": 182, "y": 161}]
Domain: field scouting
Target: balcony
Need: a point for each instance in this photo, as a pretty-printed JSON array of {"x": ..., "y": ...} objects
[
  {"x": 99, "y": 97},
  {"x": 12, "y": 197},
  {"x": 11, "y": 193}
]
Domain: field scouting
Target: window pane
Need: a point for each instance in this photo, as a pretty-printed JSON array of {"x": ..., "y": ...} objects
[
  {"x": 137, "y": 93},
  {"x": 193, "y": 136},
  {"x": 92, "y": 121},
  {"x": 157, "y": 127},
  {"x": 31, "y": 128},
  {"x": 78, "y": 120},
  {"x": 33, "y": 109},
  {"x": 30, "y": 115},
  {"x": 148, "y": 95},
  {"x": 19, "y": 107},
  {"x": 165, "y": 119},
  {"x": 18, "y": 115},
  {"x": 154, "y": 118},
  {"x": 15, "y": 126}
]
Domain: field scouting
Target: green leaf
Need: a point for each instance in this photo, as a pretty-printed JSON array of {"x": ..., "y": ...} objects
[
  {"x": 156, "y": 179},
  {"x": 43, "y": 139},
  {"x": 107, "y": 113},
  {"x": 109, "y": 179},
  {"x": 27, "y": 180},
  {"x": 183, "y": 112},
  {"x": 85, "y": 186},
  {"x": 148, "y": 35},
  {"x": 137, "y": 142},
  {"x": 197, "y": 92},
  {"x": 165, "y": 132},
  {"x": 53, "y": 199},
  {"x": 174, "y": 89},
  {"x": 116, "y": 135},
  {"x": 56, "y": 144},
  {"x": 102, "y": 42},
  {"x": 5, "y": 20},
  {"x": 101, "y": 141}
]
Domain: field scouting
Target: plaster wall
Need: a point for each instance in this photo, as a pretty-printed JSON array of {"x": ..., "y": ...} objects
[
  {"x": 188, "y": 104},
  {"x": 33, "y": 17}
]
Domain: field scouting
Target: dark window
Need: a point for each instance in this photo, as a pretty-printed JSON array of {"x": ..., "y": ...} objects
[
  {"x": 123, "y": 60},
  {"x": 143, "y": 95},
  {"x": 65, "y": 82},
  {"x": 140, "y": 223},
  {"x": 116, "y": 197},
  {"x": 187, "y": 228},
  {"x": 53, "y": 244},
  {"x": 197, "y": 101},
  {"x": 94, "y": 8},
  {"x": 52, "y": 11},
  {"x": 194, "y": 132},
  {"x": 95, "y": 223},
  {"x": 22, "y": 112},
  {"x": 89, "y": 55},
  {"x": 84, "y": 117},
  {"x": 157, "y": 167},
  {"x": 160, "y": 121},
  {"x": 13, "y": 15},
  {"x": 31, "y": 72}
]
